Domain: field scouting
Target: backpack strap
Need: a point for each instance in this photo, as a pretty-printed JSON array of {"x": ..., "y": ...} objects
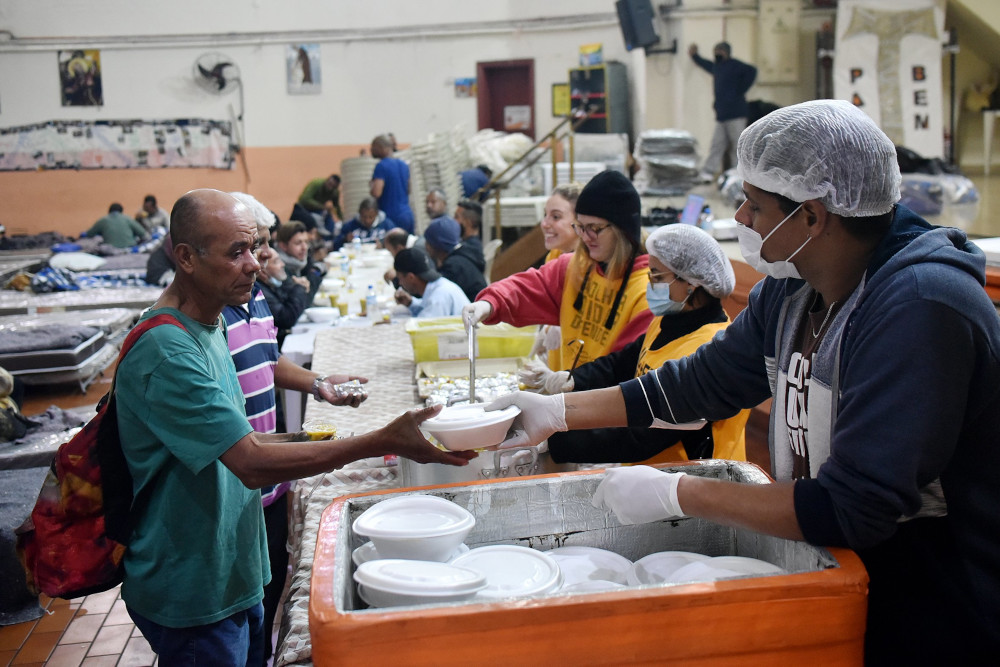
[
  {"x": 121, "y": 509},
  {"x": 144, "y": 326}
]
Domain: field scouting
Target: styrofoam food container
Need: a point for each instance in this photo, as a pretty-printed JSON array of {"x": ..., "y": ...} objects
[
  {"x": 462, "y": 427},
  {"x": 394, "y": 582},
  {"x": 322, "y": 314},
  {"x": 416, "y": 527},
  {"x": 512, "y": 571},
  {"x": 367, "y": 552},
  {"x": 745, "y": 565},
  {"x": 592, "y": 586},
  {"x": 657, "y": 568},
  {"x": 579, "y": 564},
  {"x": 722, "y": 567}
]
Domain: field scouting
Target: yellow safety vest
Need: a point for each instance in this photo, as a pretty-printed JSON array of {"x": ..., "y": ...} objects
[
  {"x": 728, "y": 434},
  {"x": 587, "y": 324}
]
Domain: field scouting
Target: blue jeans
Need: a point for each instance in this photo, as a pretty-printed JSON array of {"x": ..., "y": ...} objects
[{"x": 237, "y": 640}]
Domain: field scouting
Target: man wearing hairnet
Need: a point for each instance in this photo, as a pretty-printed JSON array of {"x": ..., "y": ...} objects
[
  {"x": 874, "y": 337},
  {"x": 689, "y": 275}
]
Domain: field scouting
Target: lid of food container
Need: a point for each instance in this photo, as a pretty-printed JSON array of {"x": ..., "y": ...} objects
[
  {"x": 461, "y": 417},
  {"x": 512, "y": 571},
  {"x": 700, "y": 571},
  {"x": 413, "y": 516},
  {"x": 592, "y": 586},
  {"x": 418, "y": 577},
  {"x": 657, "y": 568},
  {"x": 745, "y": 565},
  {"x": 367, "y": 552},
  {"x": 579, "y": 563}
]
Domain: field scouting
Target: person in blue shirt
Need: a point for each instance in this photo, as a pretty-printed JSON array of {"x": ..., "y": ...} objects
[
  {"x": 473, "y": 180},
  {"x": 370, "y": 225},
  {"x": 423, "y": 290},
  {"x": 390, "y": 183},
  {"x": 732, "y": 79}
]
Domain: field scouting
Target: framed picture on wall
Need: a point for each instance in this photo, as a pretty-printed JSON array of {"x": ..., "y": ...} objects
[
  {"x": 303, "y": 67},
  {"x": 80, "y": 78}
]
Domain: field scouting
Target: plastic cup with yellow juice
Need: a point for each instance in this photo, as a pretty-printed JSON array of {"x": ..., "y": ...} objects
[{"x": 320, "y": 430}]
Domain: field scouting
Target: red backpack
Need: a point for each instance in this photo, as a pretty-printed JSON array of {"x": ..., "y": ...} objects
[{"x": 73, "y": 542}]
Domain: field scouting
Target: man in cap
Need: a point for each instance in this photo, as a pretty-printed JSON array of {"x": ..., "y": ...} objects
[
  {"x": 731, "y": 79},
  {"x": 881, "y": 351},
  {"x": 196, "y": 564},
  {"x": 422, "y": 289},
  {"x": 455, "y": 260}
]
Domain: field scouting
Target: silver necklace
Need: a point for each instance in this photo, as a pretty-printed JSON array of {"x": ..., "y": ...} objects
[{"x": 829, "y": 310}]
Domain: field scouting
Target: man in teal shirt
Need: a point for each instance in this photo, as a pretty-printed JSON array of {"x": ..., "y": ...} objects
[
  {"x": 118, "y": 229},
  {"x": 196, "y": 564}
]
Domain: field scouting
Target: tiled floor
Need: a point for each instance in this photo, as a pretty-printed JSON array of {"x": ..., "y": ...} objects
[{"x": 94, "y": 631}]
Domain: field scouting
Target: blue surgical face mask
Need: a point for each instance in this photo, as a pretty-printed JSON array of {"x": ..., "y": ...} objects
[
  {"x": 660, "y": 303},
  {"x": 274, "y": 281}
]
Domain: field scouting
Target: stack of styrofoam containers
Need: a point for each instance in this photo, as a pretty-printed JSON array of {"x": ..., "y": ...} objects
[
  {"x": 668, "y": 162},
  {"x": 356, "y": 177},
  {"x": 433, "y": 164}
]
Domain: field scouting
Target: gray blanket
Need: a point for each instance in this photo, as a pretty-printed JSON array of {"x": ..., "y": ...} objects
[
  {"x": 18, "y": 492},
  {"x": 60, "y": 337}
]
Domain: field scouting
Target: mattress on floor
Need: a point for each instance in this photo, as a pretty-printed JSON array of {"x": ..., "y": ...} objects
[
  {"x": 109, "y": 320},
  {"x": 84, "y": 372},
  {"x": 13, "y": 302},
  {"x": 50, "y": 347}
]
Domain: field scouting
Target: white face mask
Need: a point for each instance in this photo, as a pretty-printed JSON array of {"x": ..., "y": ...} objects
[{"x": 751, "y": 244}]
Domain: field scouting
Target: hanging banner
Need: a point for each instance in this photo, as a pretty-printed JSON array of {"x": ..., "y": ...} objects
[{"x": 888, "y": 63}]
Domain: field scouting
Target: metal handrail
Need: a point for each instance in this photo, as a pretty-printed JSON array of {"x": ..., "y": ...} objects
[{"x": 577, "y": 119}]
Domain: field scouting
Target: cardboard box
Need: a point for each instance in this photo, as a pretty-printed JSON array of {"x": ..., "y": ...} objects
[{"x": 817, "y": 612}]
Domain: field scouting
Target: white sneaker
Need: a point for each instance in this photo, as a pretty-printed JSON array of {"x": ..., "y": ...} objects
[{"x": 705, "y": 177}]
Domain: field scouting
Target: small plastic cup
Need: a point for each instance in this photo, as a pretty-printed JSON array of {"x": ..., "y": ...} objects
[{"x": 320, "y": 430}]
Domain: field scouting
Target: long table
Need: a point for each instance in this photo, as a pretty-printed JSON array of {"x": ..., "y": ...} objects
[{"x": 384, "y": 355}]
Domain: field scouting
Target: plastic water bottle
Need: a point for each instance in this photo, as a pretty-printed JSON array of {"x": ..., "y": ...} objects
[
  {"x": 371, "y": 304},
  {"x": 356, "y": 245},
  {"x": 705, "y": 219}
]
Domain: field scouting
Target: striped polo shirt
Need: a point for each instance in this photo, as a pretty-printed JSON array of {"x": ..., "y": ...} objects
[{"x": 253, "y": 344}]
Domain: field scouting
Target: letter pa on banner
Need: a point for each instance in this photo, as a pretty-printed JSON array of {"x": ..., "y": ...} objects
[{"x": 888, "y": 63}]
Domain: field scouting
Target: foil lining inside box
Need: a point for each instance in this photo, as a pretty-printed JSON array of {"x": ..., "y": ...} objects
[{"x": 556, "y": 511}]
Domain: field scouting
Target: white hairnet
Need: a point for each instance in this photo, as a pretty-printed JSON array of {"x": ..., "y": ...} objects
[
  {"x": 828, "y": 150},
  {"x": 261, "y": 214},
  {"x": 692, "y": 254}
]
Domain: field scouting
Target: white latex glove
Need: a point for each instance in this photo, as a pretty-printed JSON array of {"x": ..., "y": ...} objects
[
  {"x": 540, "y": 417},
  {"x": 639, "y": 494},
  {"x": 532, "y": 373},
  {"x": 475, "y": 312},
  {"x": 537, "y": 375}
]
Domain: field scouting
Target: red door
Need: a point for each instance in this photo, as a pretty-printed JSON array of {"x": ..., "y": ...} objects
[{"x": 506, "y": 96}]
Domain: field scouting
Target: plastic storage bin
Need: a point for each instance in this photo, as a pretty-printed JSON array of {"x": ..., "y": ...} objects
[
  {"x": 815, "y": 613},
  {"x": 438, "y": 338}
]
